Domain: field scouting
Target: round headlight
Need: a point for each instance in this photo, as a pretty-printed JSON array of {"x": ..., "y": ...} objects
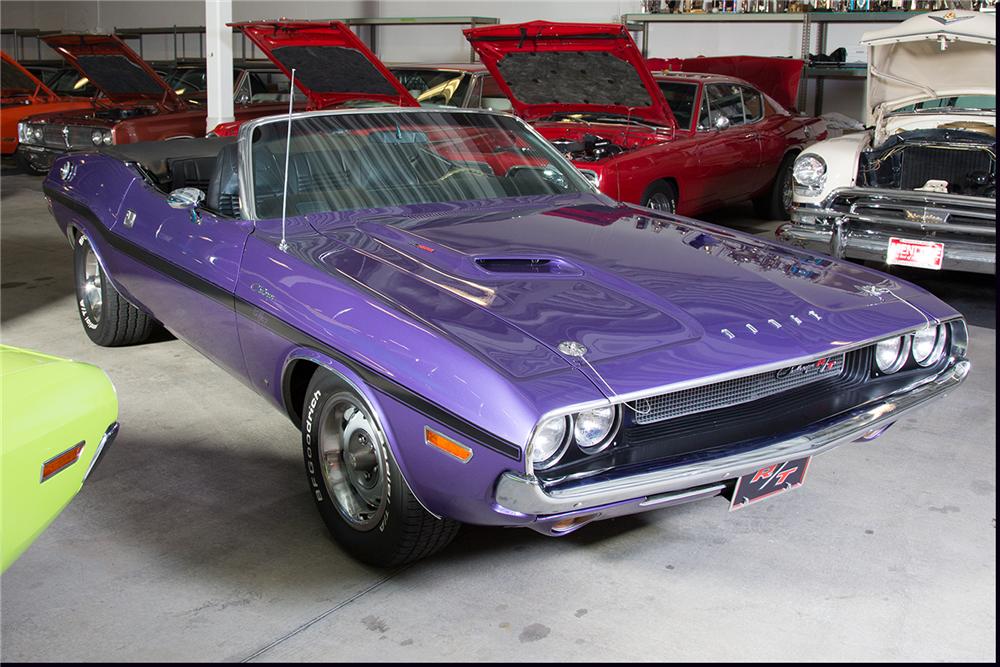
[
  {"x": 809, "y": 171},
  {"x": 928, "y": 344},
  {"x": 97, "y": 136},
  {"x": 108, "y": 139},
  {"x": 547, "y": 442},
  {"x": 890, "y": 354},
  {"x": 591, "y": 428},
  {"x": 37, "y": 132}
]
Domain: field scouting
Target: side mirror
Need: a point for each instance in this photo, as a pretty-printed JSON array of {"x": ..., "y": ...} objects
[
  {"x": 721, "y": 123},
  {"x": 185, "y": 198}
]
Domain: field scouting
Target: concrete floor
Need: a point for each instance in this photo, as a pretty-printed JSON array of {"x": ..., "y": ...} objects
[{"x": 197, "y": 539}]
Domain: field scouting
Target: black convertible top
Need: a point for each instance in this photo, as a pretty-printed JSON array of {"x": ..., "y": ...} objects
[{"x": 169, "y": 162}]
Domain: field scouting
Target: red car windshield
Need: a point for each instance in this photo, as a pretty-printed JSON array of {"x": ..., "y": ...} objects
[{"x": 344, "y": 161}]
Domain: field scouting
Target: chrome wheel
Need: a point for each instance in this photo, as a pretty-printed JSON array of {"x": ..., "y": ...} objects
[
  {"x": 352, "y": 454},
  {"x": 660, "y": 201},
  {"x": 786, "y": 190},
  {"x": 92, "y": 297}
]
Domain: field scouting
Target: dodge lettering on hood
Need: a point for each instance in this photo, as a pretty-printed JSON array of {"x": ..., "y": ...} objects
[{"x": 466, "y": 330}]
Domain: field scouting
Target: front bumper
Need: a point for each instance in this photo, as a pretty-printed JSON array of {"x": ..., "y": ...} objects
[
  {"x": 39, "y": 157},
  {"x": 857, "y": 223},
  {"x": 525, "y": 495},
  {"x": 102, "y": 448}
]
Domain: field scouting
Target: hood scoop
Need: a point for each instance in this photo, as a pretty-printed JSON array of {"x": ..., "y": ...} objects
[{"x": 527, "y": 266}]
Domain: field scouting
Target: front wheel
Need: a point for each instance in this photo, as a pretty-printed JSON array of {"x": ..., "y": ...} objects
[
  {"x": 661, "y": 196},
  {"x": 775, "y": 204},
  {"x": 108, "y": 319},
  {"x": 356, "y": 484}
]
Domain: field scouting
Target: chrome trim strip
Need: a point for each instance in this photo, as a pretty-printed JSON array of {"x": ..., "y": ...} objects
[
  {"x": 105, "y": 444},
  {"x": 524, "y": 494}
]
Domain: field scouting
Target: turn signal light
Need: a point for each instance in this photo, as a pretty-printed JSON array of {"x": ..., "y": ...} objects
[
  {"x": 447, "y": 445},
  {"x": 62, "y": 461}
]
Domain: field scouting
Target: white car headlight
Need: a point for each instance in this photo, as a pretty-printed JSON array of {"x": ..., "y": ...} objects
[
  {"x": 97, "y": 137},
  {"x": 37, "y": 133},
  {"x": 592, "y": 427},
  {"x": 809, "y": 171},
  {"x": 891, "y": 354},
  {"x": 108, "y": 139},
  {"x": 928, "y": 345},
  {"x": 547, "y": 442}
]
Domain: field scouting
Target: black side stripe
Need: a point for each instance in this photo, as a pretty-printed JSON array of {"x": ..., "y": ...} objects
[{"x": 281, "y": 328}]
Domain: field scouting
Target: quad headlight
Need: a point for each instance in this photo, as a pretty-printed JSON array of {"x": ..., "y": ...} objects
[
  {"x": 591, "y": 428},
  {"x": 99, "y": 137},
  {"x": 809, "y": 172},
  {"x": 928, "y": 344},
  {"x": 891, "y": 354},
  {"x": 547, "y": 442}
]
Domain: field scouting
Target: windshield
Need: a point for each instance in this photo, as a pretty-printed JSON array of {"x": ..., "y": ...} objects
[
  {"x": 346, "y": 161},
  {"x": 14, "y": 81},
  {"x": 71, "y": 82},
  {"x": 434, "y": 87},
  {"x": 969, "y": 102},
  {"x": 188, "y": 80}
]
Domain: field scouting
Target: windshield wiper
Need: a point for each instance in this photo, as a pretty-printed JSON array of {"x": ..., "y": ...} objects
[{"x": 601, "y": 117}]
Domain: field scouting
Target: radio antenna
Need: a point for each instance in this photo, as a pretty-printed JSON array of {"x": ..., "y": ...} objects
[{"x": 283, "y": 246}]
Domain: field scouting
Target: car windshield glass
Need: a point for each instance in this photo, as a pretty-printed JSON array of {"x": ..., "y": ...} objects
[
  {"x": 188, "y": 80},
  {"x": 346, "y": 161},
  {"x": 434, "y": 87},
  {"x": 985, "y": 102},
  {"x": 71, "y": 82},
  {"x": 680, "y": 98},
  {"x": 14, "y": 81}
]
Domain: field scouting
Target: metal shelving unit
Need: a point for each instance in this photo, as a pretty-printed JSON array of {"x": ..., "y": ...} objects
[
  {"x": 464, "y": 21},
  {"x": 20, "y": 34}
]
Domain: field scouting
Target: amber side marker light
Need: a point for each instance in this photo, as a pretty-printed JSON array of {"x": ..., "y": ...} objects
[
  {"x": 447, "y": 445},
  {"x": 60, "y": 462}
]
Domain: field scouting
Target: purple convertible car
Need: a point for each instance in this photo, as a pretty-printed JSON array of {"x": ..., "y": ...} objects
[{"x": 467, "y": 331}]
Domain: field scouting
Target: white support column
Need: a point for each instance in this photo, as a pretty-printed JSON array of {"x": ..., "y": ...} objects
[{"x": 219, "y": 62}]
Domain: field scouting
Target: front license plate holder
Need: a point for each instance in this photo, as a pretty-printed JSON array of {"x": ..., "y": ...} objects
[
  {"x": 910, "y": 252},
  {"x": 769, "y": 481}
]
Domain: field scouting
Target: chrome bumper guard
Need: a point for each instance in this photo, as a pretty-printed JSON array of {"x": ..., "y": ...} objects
[
  {"x": 102, "y": 448},
  {"x": 523, "y": 494}
]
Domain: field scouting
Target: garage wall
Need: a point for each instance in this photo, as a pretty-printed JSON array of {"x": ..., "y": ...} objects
[{"x": 428, "y": 43}]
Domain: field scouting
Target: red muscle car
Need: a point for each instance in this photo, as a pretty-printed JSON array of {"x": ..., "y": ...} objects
[
  {"x": 675, "y": 141},
  {"x": 135, "y": 104}
]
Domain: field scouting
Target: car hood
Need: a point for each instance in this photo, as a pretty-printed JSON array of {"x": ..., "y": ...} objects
[
  {"x": 18, "y": 83},
  {"x": 546, "y": 68},
  {"x": 778, "y": 78},
  {"x": 651, "y": 298},
  {"x": 940, "y": 54},
  {"x": 332, "y": 66},
  {"x": 115, "y": 69}
]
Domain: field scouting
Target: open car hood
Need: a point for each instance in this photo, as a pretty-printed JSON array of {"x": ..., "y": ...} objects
[
  {"x": 778, "y": 78},
  {"x": 332, "y": 66},
  {"x": 115, "y": 69},
  {"x": 940, "y": 54},
  {"x": 17, "y": 82},
  {"x": 547, "y": 68}
]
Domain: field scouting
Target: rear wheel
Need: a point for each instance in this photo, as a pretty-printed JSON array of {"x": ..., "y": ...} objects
[
  {"x": 356, "y": 483},
  {"x": 108, "y": 319},
  {"x": 661, "y": 196},
  {"x": 775, "y": 204}
]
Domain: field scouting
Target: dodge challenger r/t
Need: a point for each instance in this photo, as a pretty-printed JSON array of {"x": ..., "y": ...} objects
[{"x": 466, "y": 330}]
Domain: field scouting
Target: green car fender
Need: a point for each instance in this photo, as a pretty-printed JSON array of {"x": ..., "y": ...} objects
[{"x": 58, "y": 418}]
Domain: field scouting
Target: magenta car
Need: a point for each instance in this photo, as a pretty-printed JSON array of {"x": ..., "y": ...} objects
[{"x": 466, "y": 331}]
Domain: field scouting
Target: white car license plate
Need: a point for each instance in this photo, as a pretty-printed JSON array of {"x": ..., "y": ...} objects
[{"x": 921, "y": 254}]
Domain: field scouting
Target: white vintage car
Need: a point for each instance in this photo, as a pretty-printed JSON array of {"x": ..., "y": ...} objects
[{"x": 918, "y": 187}]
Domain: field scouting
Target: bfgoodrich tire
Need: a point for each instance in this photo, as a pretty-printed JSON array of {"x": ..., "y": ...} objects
[
  {"x": 356, "y": 484},
  {"x": 661, "y": 196},
  {"x": 108, "y": 319}
]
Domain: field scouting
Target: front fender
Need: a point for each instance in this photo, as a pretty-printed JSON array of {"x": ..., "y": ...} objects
[
  {"x": 443, "y": 485},
  {"x": 841, "y": 155}
]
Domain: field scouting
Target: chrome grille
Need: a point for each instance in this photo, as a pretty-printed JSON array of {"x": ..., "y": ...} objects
[
  {"x": 736, "y": 391},
  {"x": 78, "y": 136}
]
